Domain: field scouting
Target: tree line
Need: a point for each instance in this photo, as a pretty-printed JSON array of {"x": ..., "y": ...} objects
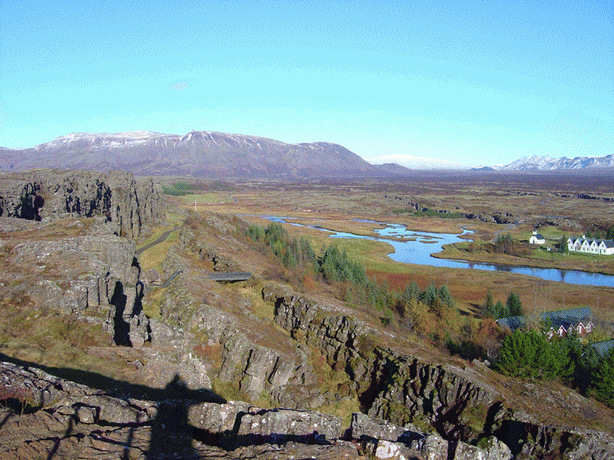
[{"x": 335, "y": 267}]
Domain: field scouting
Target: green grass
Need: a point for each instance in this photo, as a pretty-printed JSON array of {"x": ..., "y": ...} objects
[
  {"x": 203, "y": 198},
  {"x": 153, "y": 302},
  {"x": 343, "y": 409},
  {"x": 263, "y": 310},
  {"x": 371, "y": 254},
  {"x": 178, "y": 189},
  {"x": 154, "y": 256}
]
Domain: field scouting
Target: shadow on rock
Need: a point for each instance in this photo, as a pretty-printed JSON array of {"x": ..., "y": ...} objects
[{"x": 171, "y": 434}]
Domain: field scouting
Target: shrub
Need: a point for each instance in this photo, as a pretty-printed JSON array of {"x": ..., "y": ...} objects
[{"x": 18, "y": 400}]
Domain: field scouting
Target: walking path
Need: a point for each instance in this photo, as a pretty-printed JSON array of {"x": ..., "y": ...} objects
[{"x": 159, "y": 240}]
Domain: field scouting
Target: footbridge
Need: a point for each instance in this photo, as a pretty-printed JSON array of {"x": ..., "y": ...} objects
[{"x": 230, "y": 276}]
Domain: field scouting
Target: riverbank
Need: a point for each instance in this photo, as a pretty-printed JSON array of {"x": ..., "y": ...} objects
[{"x": 539, "y": 258}]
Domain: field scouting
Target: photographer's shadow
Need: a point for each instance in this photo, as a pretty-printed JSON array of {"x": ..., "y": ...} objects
[{"x": 171, "y": 434}]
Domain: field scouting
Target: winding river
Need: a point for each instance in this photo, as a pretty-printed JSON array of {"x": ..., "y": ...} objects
[{"x": 418, "y": 248}]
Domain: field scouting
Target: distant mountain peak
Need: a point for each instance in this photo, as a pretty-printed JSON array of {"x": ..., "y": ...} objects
[{"x": 547, "y": 163}]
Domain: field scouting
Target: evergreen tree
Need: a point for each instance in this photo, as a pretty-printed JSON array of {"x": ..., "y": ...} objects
[
  {"x": 530, "y": 355},
  {"x": 500, "y": 310},
  {"x": 411, "y": 294},
  {"x": 372, "y": 294},
  {"x": 445, "y": 297},
  {"x": 255, "y": 232},
  {"x": 514, "y": 306},
  {"x": 563, "y": 248},
  {"x": 275, "y": 232},
  {"x": 489, "y": 304},
  {"x": 584, "y": 361},
  {"x": 604, "y": 378},
  {"x": 430, "y": 295},
  {"x": 307, "y": 254}
]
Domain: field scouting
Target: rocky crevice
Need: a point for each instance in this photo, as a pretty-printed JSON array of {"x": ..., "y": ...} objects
[
  {"x": 120, "y": 201},
  {"x": 69, "y": 420},
  {"x": 403, "y": 390}
]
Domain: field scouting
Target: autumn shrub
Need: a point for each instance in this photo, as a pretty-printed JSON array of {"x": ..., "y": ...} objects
[
  {"x": 505, "y": 244},
  {"x": 17, "y": 400}
]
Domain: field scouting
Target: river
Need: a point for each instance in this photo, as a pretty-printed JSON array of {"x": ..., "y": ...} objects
[{"x": 412, "y": 247}]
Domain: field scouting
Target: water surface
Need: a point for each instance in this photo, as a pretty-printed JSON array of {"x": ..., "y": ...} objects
[{"x": 413, "y": 247}]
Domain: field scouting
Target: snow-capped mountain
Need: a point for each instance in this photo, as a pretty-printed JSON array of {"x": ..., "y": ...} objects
[
  {"x": 198, "y": 153},
  {"x": 415, "y": 162},
  {"x": 545, "y": 163}
]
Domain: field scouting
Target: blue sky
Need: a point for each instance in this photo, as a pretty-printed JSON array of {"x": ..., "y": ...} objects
[{"x": 478, "y": 82}]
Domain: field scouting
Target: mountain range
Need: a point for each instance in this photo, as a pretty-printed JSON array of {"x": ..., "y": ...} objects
[
  {"x": 210, "y": 154},
  {"x": 198, "y": 153},
  {"x": 546, "y": 163}
]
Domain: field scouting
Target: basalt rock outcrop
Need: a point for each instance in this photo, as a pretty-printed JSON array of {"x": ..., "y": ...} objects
[
  {"x": 89, "y": 278},
  {"x": 123, "y": 203},
  {"x": 458, "y": 403},
  {"x": 298, "y": 356},
  {"x": 45, "y": 416},
  {"x": 464, "y": 414}
]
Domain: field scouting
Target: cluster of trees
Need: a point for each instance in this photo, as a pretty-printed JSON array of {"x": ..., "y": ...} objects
[
  {"x": 292, "y": 252},
  {"x": 529, "y": 355},
  {"x": 432, "y": 297},
  {"x": 505, "y": 244},
  {"x": 335, "y": 267},
  {"x": 601, "y": 233},
  {"x": 511, "y": 307}
]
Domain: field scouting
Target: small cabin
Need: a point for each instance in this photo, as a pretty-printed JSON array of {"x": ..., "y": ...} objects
[{"x": 537, "y": 238}]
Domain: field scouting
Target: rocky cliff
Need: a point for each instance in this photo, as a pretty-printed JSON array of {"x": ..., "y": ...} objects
[
  {"x": 45, "y": 416},
  {"x": 91, "y": 278},
  {"x": 461, "y": 406},
  {"x": 116, "y": 198},
  {"x": 459, "y": 403}
]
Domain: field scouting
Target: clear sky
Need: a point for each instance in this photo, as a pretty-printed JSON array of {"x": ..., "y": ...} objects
[{"x": 479, "y": 82}]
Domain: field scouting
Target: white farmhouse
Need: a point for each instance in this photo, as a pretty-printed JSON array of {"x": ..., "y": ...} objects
[
  {"x": 606, "y": 247},
  {"x": 590, "y": 246}
]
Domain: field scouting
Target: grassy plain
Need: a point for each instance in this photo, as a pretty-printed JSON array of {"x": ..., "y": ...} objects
[{"x": 491, "y": 203}]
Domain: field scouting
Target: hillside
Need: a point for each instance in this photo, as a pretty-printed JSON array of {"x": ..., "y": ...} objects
[
  {"x": 199, "y": 154},
  {"x": 166, "y": 360}
]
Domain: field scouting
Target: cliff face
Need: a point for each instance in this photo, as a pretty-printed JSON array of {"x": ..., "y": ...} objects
[
  {"x": 459, "y": 403},
  {"x": 46, "y": 416},
  {"x": 54, "y": 261},
  {"x": 94, "y": 279},
  {"x": 118, "y": 199}
]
